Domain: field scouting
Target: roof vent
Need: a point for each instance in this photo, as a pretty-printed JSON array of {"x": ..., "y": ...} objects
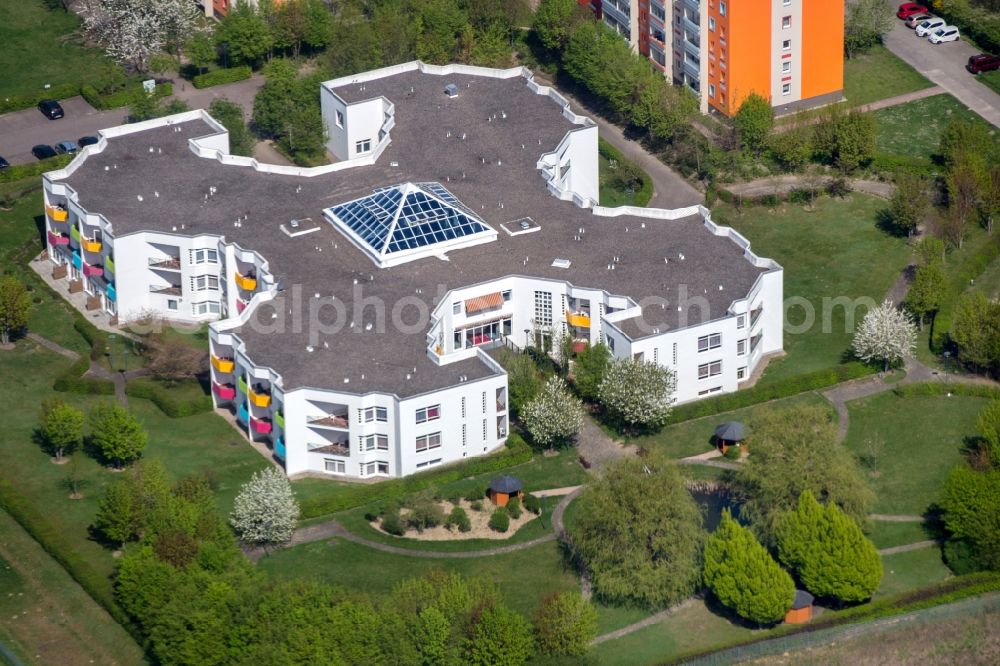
[
  {"x": 451, "y": 90},
  {"x": 561, "y": 263}
]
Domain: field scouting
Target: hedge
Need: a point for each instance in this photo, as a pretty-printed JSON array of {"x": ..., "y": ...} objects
[
  {"x": 948, "y": 388},
  {"x": 28, "y": 100},
  {"x": 96, "y": 338},
  {"x": 957, "y": 279},
  {"x": 517, "y": 453},
  {"x": 73, "y": 380},
  {"x": 168, "y": 404},
  {"x": 19, "y": 171},
  {"x": 977, "y": 23},
  {"x": 784, "y": 388},
  {"x": 220, "y": 76},
  {"x": 121, "y": 97}
]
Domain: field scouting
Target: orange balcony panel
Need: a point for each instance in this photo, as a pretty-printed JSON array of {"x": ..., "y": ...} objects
[
  {"x": 260, "y": 399},
  {"x": 56, "y": 213},
  {"x": 578, "y": 319},
  {"x": 246, "y": 283},
  {"x": 91, "y": 245},
  {"x": 223, "y": 364}
]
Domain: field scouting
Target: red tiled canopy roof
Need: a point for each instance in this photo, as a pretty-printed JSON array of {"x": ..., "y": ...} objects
[{"x": 487, "y": 302}]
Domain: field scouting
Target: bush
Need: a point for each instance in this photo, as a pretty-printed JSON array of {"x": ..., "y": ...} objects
[
  {"x": 73, "y": 381},
  {"x": 514, "y": 507},
  {"x": 734, "y": 452},
  {"x": 500, "y": 520},
  {"x": 533, "y": 504},
  {"x": 944, "y": 388},
  {"x": 425, "y": 513},
  {"x": 26, "y": 101},
  {"x": 123, "y": 97},
  {"x": 163, "y": 398},
  {"x": 96, "y": 338},
  {"x": 476, "y": 493},
  {"x": 454, "y": 497},
  {"x": 20, "y": 171},
  {"x": 477, "y": 505},
  {"x": 460, "y": 519},
  {"x": 838, "y": 187},
  {"x": 221, "y": 76},
  {"x": 393, "y": 524}
]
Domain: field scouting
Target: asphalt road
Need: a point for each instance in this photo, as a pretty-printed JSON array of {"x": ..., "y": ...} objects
[{"x": 944, "y": 64}]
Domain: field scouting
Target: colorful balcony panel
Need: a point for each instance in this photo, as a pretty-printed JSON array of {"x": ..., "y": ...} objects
[
  {"x": 260, "y": 399},
  {"x": 279, "y": 418},
  {"x": 260, "y": 426},
  {"x": 223, "y": 364},
  {"x": 75, "y": 233},
  {"x": 58, "y": 239},
  {"x": 224, "y": 391},
  {"x": 56, "y": 213},
  {"x": 77, "y": 261},
  {"x": 578, "y": 319},
  {"x": 91, "y": 245},
  {"x": 246, "y": 283},
  {"x": 109, "y": 265},
  {"x": 111, "y": 293},
  {"x": 93, "y": 271},
  {"x": 242, "y": 384},
  {"x": 279, "y": 448},
  {"x": 242, "y": 414}
]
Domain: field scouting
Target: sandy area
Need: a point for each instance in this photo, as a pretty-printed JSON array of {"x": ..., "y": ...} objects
[{"x": 480, "y": 525}]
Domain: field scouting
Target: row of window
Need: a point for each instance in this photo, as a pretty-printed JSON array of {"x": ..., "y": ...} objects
[
  {"x": 428, "y": 442},
  {"x": 205, "y": 283},
  {"x": 204, "y": 256}
]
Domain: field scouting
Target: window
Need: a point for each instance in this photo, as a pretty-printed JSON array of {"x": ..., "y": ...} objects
[
  {"x": 340, "y": 119},
  {"x": 786, "y": 45},
  {"x": 786, "y": 67},
  {"x": 675, "y": 354},
  {"x": 786, "y": 88},
  {"x": 172, "y": 304},
  {"x": 611, "y": 343},
  {"x": 335, "y": 466},
  {"x": 208, "y": 307},
  {"x": 711, "y": 90},
  {"x": 711, "y": 23},
  {"x": 380, "y": 414},
  {"x": 714, "y": 389},
  {"x": 543, "y": 308},
  {"x": 484, "y": 402},
  {"x": 722, "y": 8},
  {"x": 706, "y": 342},
  {"x": 465, "y": 436},
  {"x": 456, "y": 308},
  {"x": 741, "y": 321},
  {"x": 741, "y": 373},
  {"x": 428, "y": 463},
  {"x": 364, "y": 146},
  {"x": 506, "y": 295},
  {"x": 428, "y": 442},
  {"x": 383, "y": 467},
  {"x": 786, "y": 2},
  {"x": 741, "y": 347},
  {"x": 372, "y": 442},
  {"x": 786, "y": 22},
  {"x": 706, "y": 370},
  {"x": 205, "y": 256},
  {"x": 463, "y": 406},
  {"x": 205, "y": 283},
  {"x": 425, "y": 414}
]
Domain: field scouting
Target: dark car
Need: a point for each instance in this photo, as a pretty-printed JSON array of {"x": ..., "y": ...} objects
[
  {"x": 66, "y": 148},
  {"x": 4, "y": 163},
  {"x": 983, "y": 63},
  {"x": 86, "y": 141},
  {"x": 43, "y": 152},
  {"x": 51, "y": 109}
]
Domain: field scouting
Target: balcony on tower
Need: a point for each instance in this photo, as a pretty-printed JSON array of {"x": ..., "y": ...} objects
[
  {"x": 260, "y": 396},
  {"x": 223, "y": 365},
  {"x": 92, "y": 244},
  {"x": 93, "y": 270},
  {"x": 57, "y": 239},
  {"x": 224, "y": 391},
  {"x": 261, "y": 426},
  {"x": 57, "y": 213},
  {"x": 246, "y": 282}
]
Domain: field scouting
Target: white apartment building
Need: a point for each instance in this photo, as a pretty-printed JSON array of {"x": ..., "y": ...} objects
[{"x": 354, "y": 306}]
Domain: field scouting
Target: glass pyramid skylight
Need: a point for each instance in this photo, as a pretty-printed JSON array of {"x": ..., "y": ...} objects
[{"x": 409, "y": 221}]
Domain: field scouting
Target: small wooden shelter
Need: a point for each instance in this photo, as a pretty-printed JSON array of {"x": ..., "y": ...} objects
[
  {"x": 502, "y": 488},
  {"x": 801, "y": 610},
  {"x": 729, "y": 434}
]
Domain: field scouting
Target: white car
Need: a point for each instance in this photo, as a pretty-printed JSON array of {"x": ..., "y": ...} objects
[
  {"x": 948, "y": 33},
  {"x": 930, "y": 25},
  {"x": 917, "y": 19}
]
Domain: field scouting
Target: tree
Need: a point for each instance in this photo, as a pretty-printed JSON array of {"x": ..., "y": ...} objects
[
  {"x": 976, "y": 331},
  {"x": 886, "y": 335},
  {"x": 554, "y": 416},
  {"x": 265, "y": 511},
  {"x": 794, "y": 450},
  {"x": 930, "y": 249},
  {"x": 62, "y": 428},
  {"x": 639, "y": 533},
  {"x": 230, "y": 114},
  {"x": 990, "y": 201},
  {"x": 142, "y": 106},
  {"x": 354, "y": 43},
  {"x": 14, "y": 306},
  {"x": 244, "y": 35},
  {"x": 927, "y": 291},
  {"x": 743, "y": 576},
  {"x": 866, "y": 23},
  {"x": 964, "y": 183},
  {"x": 132, "y": 32},
  {"x": 970, "y": 505},
  {"x": 174, "y": 361},
  {"x": 589, "y": 369},
  {"x": 501, "y": 637},
  {"x": 962, "y": 138},
  {"x": 318, "y": 28},
  {"x": 565, "y": 624},
  {"x": 201, "y": 50},
  {"x": 130, "y": 503},
  {"x": 792, "y": 148},
  {"x": 989, "y": 429},
  {"x": 829, "y": 552},
  {"x": 116, "y": 434},
  {"x": 555, "y": 21},
  {"x": 523, "y": 382},
  {"x": 909, "y": 202},
  {"x": 754, "y": 121},
  {"x": 855, "y": 136},
  {"x": 638, "y": 393}
]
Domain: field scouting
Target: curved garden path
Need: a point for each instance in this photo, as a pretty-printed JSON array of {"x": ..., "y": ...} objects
[{"x": 95, "y": 370}]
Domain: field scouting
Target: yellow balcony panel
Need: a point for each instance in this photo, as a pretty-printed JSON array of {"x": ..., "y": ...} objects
[
  {"x": 578, "y": 319},
  {"x": 222, "y": 364},
  {"x": 91, "y": 245},
  {"x": 247, "y": 283},
  {"x": 260, "y": 399},
  {"x": 56, "y": 213}
]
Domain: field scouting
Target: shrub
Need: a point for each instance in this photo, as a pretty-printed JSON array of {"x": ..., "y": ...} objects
[
  {"x": 393, "y": 524},
  {"x": 565, "y": 624},
  {"x": 500, "y": 520},
  {"x": 734, "y": 452},
  {"x": 477, "y": 505},
  {"x": 425, "y": 513},
  {"x": 476, "y": 493},
  {"x": 73, "y": 381},
  {"x": 123, "y": 97},
  {"x": 166, "y": 400},
  {"x": 20, "y": 171},
  {"x": 838, "y": 187},
  {"x": 26, "y": 101},
  {"x": 514, "y": 507},
  {"x": 533, "y": 504},
  {"x": 460, "y": 519},
  {"x": 454, "y": 497},
  {"x": 221, "y": 76}
]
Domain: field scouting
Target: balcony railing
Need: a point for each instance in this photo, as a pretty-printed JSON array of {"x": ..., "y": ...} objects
[
  {"x": 57, "y": 213},
  {"x": 329, "y": 421},
  {"x": 755, "y": 316},
  {"x": 245, "y": 282},
  {"x": 242, "y": 414},
  {"x": 91, "y": 245},
  {"x": 330, "y": 449},
  {"x": 279, "y": 418},
  {"x": 241, "y": 384},
  {"x": 581, "y": 319},
  {"x": 279, "y": 448},
  {"x": 169, "y": 290},
  {"x": 109, "y": 264},
  {"x": 58, "y": 239},
  {"x": 74, "y": 233},
  {"x": 260, "y": 397},
  {"x": 260, "y": 426},
  {"x": 165, "y": 263},
  {"x": 223, "y": 364},
  {"x": 92, "y": 271},
  {"x": 224, "y": 391},
  {"x": 240, "y": 306},
  {"x": 111, "y": 293}
]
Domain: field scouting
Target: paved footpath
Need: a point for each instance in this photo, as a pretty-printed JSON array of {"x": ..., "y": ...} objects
[{"x": 95, "y": 370}]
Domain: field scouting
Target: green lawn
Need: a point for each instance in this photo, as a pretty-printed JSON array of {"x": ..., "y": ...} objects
[
  {"x": 991, "y": 80},
  {"x": 988, "y": 283},
  {"x": 47, "y": 617},
  {"x": 39, "y": 47},
  {"x": 924, "y": 437},
  {"x": 879, "y": 74},
  {"x": 609, "y": 159},
  {"x": 836, "y": 251},
  {"x": 689, "y": 438},
  {"x": 886, "y": 534},
  {"x": 914, "y": 129},
  {"x": 911, "y": 571}
]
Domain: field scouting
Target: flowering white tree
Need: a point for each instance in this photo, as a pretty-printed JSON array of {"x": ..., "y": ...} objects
[
  {"x": 132, "y": 32},
  {"x": 638, "y": 393},
  {"x": 886, "y": 335},
  {"x": 265, "y": 511},
  {"x": 554, "y": 416}
]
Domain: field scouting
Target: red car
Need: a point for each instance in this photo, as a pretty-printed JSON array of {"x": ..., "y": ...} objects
[
  {"x": 908, "y": 9},
  {"x": 983, "y": 63}
]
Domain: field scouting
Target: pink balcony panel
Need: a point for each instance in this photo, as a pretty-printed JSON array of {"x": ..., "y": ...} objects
[
  {"x": 260, "y": 426},
  {"x": 224, "y": 391},
  {"x": 240, "y": 306},
  {"x": 92, "y": 271},
  {"x": 58, "y": 239}
]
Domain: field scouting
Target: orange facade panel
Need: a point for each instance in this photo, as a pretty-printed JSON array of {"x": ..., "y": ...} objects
[
  {"x": 742, "y": 41},
  {"x": 823, "y": 48}
]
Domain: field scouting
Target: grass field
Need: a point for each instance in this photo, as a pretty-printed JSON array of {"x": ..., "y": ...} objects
[
  {"x": 879, "y": 74},
  {"x": 833, "y": 252},
  {"x": 611, "y": 195},
  {"x": 991, "y": 80},
  {"x": 47, "y": 617},
  {"x": 912, "y": 570},
  {"x": 39, "y": 47},
  {"x": 886, "y": 534},
  {"x": 924, "y": 437},
  {"x": 914, "y": 129}
]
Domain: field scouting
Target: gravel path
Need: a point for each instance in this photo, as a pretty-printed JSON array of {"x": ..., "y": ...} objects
[
  {"x": 95, "y": 370},
  {"x": 920, "y": 545},
  {"x": 887, "y": 518}
]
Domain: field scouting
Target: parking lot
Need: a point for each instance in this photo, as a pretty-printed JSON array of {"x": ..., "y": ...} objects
[{"x": 21, "y": 130}]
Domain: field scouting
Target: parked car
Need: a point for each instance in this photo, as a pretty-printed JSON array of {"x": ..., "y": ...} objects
[
  {"x": 908, "y": 9},
  {"x": 983, "y": 63},
  {"x": 946, "y": 33},
  {"x": 51, "y": 109},
  {"x": 4, "y": 163},
  {"x": 43, "y": 152},
  {"x": 917, "y": 19},
  {"x": 86, "y": 141},
  {"x": 927, "y": 27},
  {"x": 66, "y": 147}
]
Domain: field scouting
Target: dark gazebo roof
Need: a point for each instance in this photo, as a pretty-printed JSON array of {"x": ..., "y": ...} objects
[
  {"x": 734, "y": 431},
  {"x": 506, "y": 484},
  {"x": 802, "y": 600}
]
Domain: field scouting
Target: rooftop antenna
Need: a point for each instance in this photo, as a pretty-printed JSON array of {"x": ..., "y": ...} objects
[{"x": 139, "y": 197}]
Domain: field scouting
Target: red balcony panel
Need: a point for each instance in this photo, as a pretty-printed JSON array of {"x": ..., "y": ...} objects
[
  {"x": 224, "y": 391},
  {"x": 58, "y": 239},
  {"x": 260, "y": 426}
]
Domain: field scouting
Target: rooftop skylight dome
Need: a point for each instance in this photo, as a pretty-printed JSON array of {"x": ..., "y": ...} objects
[{"x": 405, "y": 222}]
